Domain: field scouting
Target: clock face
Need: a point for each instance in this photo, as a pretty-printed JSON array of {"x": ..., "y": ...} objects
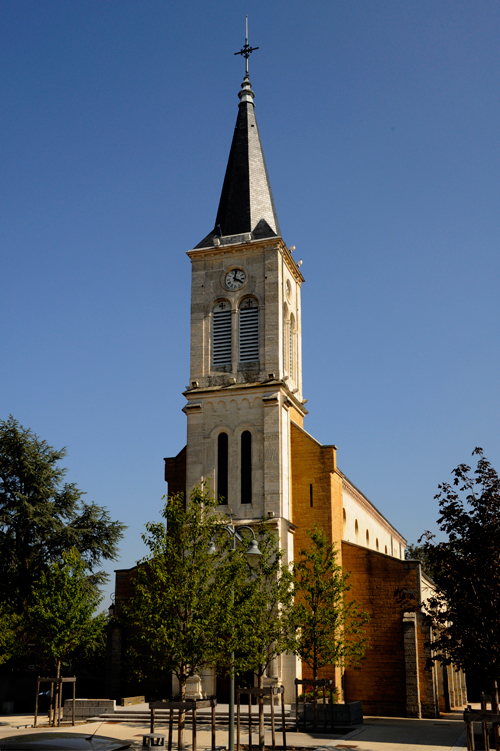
[{"x": 235, "y": 279}]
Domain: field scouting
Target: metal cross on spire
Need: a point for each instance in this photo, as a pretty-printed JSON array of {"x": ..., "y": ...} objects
[{"x": 246, "y": 49}]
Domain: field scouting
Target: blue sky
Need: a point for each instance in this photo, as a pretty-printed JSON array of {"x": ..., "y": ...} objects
[{"x": 380, "y": 125}]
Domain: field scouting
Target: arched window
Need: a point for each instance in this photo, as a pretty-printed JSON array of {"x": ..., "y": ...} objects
[
  {"x": 249, "y": 330},
  {"x": 222, "y": 467},
  {"x": 286, "y": 324},
  {"x": 386, "y": 549},
  {"x": 376, "y": 543},
  {"x": 356, "y": 528},
  {"x": 291, "y": 353},
  {"x": 246, "y": 467},
  {"x": 367, "y": 538},
  {"x": 221, "y": 334}
]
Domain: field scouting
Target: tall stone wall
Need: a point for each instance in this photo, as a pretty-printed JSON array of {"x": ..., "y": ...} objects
[{"x": 381, "y": 683}]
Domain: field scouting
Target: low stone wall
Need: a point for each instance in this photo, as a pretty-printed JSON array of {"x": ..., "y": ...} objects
[{"x": 85, "y": 708}]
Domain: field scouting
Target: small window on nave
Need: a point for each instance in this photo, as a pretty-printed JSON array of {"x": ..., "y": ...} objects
[
  {"x": 221, "y": 334},
  {"x": 249, "y": 330},
  {"x": 356, "y": 528},
  {"x": 367, "y": 538},
  {"x": 376, "y": 543}
]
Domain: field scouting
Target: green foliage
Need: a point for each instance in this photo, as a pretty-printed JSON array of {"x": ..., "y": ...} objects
[
  {"x": 263, "y": 604},
  {"x": 61, "y": 616},
  {"x": 320, "y": 694},
  {"x": 179, "y": 617},
  {"x": 41, "y": 516},
  {"x": 419, "y": 553},
  {"x": 10, "y": 643},
  {"x": 466, "y": 568},
  {"x": 193, "y": 607},
  {"x": 330, "y": 628}
]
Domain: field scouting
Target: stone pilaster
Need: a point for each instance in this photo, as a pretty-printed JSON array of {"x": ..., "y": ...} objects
[{"x": 413, "y": 708}]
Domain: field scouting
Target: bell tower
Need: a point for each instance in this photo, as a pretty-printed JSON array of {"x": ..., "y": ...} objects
[{"x": 246, "y": 373}]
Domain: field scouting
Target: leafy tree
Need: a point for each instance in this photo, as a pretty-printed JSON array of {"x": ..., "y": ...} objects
[
  {"x": 191, "y": 608},
  {"x": 41, "y": 516},
  {"x": 330, "y": 628},
  {"x": 10, "y": 623},
  {"x": 419, "y": 553},
  {"x": 62, "y": 617},
  {"x": 466, "y": 570},
  {"x": 179, "y": 617},
  {"x": 262, "y": 614}
]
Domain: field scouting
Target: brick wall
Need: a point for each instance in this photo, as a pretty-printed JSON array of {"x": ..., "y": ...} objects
[
  {"x": 315, "y": 465},
  {"x": 381, "y": 683},
  {"x": 175, "y": 472},
  {"x": 316, "y": 489}
]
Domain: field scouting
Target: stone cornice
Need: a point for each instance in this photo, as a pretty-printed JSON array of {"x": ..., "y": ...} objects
[
  {"x": 250, "y": 246},
  {"x": 269, "y": 390}
]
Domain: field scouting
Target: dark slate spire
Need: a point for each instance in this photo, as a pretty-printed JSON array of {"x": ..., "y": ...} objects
[{"x": 246, "y": 202}]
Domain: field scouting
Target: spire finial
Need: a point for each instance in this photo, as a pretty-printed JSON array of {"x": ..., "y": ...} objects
[{"x": 246, "y": 49}]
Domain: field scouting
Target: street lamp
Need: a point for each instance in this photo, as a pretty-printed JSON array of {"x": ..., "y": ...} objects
[{"x": 253, "y": 555}]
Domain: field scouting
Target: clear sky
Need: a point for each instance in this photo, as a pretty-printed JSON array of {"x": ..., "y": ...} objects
[{"x": 380, "y": 126}]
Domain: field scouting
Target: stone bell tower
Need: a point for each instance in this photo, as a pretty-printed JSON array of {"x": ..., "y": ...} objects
[
  {"x": 246, "y": 373},
  {"x": 245, "y": 384}
]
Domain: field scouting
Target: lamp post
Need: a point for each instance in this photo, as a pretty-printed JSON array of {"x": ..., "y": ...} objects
[{"x": 253, "y": 555}]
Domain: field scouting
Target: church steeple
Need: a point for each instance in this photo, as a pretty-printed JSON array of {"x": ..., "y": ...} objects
[{"x": 246, "y": 204}]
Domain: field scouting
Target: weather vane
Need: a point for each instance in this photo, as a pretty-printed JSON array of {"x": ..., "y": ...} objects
[{"x": 246, "y": 50}]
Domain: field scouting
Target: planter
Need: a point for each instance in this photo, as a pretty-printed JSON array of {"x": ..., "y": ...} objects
[{"x": 344, "y": 715}]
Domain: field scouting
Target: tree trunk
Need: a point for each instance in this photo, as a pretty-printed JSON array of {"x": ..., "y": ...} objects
[
  {"x": 494, "y": 707},
  {"x": 182, "y": 713},
  {"x": 260, "y": 680},
  {"x": 315, "y": 697},
  {"x": 57, "y": 713}
]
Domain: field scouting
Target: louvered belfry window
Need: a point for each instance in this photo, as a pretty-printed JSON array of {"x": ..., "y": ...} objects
[
  {"x": 249, "y": 330},
  {"x": 221, "y": 334}
]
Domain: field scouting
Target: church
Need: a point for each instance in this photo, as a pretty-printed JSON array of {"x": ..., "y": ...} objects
[{"x": 246, "y": 435}]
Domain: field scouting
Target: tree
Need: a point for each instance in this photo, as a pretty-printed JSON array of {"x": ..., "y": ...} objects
[
  {"x": 10, "y": 623},
  {"x": 466, "y": 570},
  {"x": 419, "y": 553},
  {"x": 330, "y": 628},
  {"x": 62, "y": 613},
  {"x": 192, "y": 607},
  {"x": 263, "y": 605},
  {"x": 41, "y": 516},
  {"x": 180, "y": 615}
]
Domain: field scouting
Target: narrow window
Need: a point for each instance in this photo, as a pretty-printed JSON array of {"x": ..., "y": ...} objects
[
  {"x": 367, "y": 538},
  {"x": 246, "y": 467},
  {"x": 221, "y": 334},
  {"x": 249, "y": 330},
  {"x": 222, "y": 467},
  {"x": 290, "y": 346},
  {"x": 311, "y": 496},
  {"x": 286, "y": 323}
]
